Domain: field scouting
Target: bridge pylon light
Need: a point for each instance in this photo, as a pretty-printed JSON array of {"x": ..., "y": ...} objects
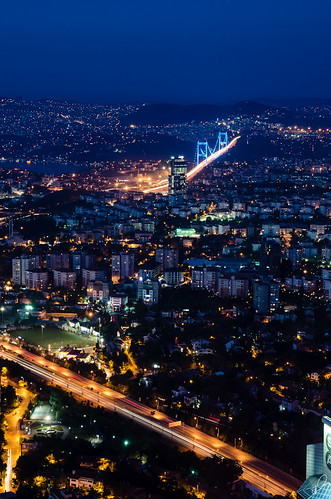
[
  {"x": 203, "y": 151},
  {"x": 222, "y": 141}
]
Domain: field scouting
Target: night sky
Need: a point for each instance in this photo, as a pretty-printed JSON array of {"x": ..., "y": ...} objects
[{"x": 172, "y": 51}]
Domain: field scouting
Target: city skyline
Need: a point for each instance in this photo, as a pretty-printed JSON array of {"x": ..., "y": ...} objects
[{"x": 165, "y": 250}]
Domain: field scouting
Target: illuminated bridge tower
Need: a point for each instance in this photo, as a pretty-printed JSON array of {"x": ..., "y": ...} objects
[
  {"x": 222, "y": 141},
  {"x": 203, "y": 149},
  {"x": 177, "y": 182}
]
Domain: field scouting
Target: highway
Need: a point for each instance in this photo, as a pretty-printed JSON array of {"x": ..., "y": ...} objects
[
  {"x": 257, "y": 472},
  {"x": 163, "y": 185}
]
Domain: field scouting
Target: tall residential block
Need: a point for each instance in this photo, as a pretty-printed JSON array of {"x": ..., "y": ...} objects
[
  {"x": 148, "y": 290},
  {"x": 36, "y": 279},
  {"x": 265, "y": 296},
  {"x": 21, "y": 264},
  {"x": 168, "y": 257},
  {"x": 122, "y": 265}
]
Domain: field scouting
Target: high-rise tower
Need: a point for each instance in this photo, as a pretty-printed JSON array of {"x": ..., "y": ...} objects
[{"x": 177, "y": 181}]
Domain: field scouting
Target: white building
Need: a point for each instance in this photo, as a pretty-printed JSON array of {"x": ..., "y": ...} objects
[
  {"x": 36, "y": 279},
  {"x": 64, "y": 279},
  {"x": 122, "y": 265},
  {"x": 89, "y": 275},
  {"x": 233, "y": 286},
  {"x": 148, "y": 290},
  {"x": 98, "y": 290},
  {"x": 82, "y": 479},
  {"x": 117, "y": 302},
  {"x": 21, "y": 265},
  {"x": 173, "y": 277}
]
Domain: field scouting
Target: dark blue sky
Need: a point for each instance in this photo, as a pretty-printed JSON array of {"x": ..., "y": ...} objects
[{"x": 175, "y": 51}]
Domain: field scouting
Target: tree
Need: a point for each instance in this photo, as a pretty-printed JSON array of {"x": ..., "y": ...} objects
[
  {"x": 27, "y": 466},
  {"x": 27, "y": 492},
  {"x": 220, "y": 473},
  {"x": 55, "y": 400},
  {"x": 141, "y": 310},
  {"x": 38, "y": 227}
]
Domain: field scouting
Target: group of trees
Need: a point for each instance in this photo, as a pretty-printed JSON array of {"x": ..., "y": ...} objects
[{"x": 166, "y": 471}]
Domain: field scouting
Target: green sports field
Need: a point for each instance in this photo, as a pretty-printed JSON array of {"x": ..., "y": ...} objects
[{"x": 52, "y": 336}]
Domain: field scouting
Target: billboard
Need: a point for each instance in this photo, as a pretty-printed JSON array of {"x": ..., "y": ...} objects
[{"x": 327, "y": 447}]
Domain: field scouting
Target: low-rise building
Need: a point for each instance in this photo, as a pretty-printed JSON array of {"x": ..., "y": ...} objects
[{"x": 98, "y": 290}]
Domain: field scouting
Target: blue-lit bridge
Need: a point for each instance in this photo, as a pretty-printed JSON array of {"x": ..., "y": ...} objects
[{"x": 203, "y": 151}]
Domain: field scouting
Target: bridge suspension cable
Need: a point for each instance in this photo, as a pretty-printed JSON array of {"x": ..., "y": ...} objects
[{"x": 204, "y": 150}]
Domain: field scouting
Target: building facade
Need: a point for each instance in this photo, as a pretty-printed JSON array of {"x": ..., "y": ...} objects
[
  {"x": 98, "y": 290},
  {"x": 89, "y": 275},
  {"x": 148, "y": 291},
  {"x": 36, "y": 279},
  {"x": 64, "y": 279},
  {"x": 122, "y": 265},
  {"x": 232, "y": 286},
  {"x": 21, "y": 265},
  {"x": 168, "y": 257},
  {"x": 265, "y": 296},
  {"x": 177, "y": 193}
]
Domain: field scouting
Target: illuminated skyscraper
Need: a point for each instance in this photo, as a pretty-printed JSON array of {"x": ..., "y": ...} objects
[{"x": 177, "y": 181}]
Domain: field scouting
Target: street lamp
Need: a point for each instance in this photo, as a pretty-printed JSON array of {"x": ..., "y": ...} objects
[
  {"x": 42, "y": 332},
  {"x": 2, "y": 311},
  {"x": 28, "y": 309}
]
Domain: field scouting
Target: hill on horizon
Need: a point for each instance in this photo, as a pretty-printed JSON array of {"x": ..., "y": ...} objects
[
  {"x": 289, "y": 113},
  {"x": 161, "y": 114}
]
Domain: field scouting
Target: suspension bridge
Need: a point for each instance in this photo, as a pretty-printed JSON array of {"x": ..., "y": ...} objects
[
  {"x": 204, "y": 157},
  {"x": 204, "y": 150}
]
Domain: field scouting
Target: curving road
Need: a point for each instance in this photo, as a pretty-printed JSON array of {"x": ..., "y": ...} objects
[
  {"x": 163, "y": 185},
  {"x": 257, "y": 472},
  {"x": 12, "y": 436}
]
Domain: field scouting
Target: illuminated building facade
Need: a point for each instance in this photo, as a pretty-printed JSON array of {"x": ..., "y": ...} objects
[
  {"x": 36, "y": 279},
  {"x": 122, "y": 265},
  {"x": 148, "y": 290},
  {"x": 265, "y": 296},
  {"x": 21, "y": 265},
  {"x": 168, "y": 257}
]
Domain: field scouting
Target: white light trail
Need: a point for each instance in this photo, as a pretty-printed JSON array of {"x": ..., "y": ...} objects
[{"x": 163, "y": 185}]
